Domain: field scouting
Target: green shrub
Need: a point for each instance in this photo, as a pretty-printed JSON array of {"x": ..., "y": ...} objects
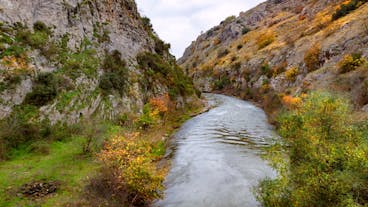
[
  {"x": 322, "y": 159},
  {"x": 45, "y": 89},
  {"x": 236, "y": 66},
  {"x": 221, "y": 83},
  {"x": 13, "y": 50},
  {"x": 346, "y": 9},
  {"x": 222, "y": 53},
  {"x": 245, "y": 30},
  {"x": 41, "y": 27},
  {"x": 157, "y": 68},
  {"x": 145, "y": 120},
  {"x": 147, "y": 24},
  {"x": 266, "y": 70},
  {"x": 116, "y": 73},
  {"x": 161, "y": 47},
  {"x": 36, "y": 39},
  {"x": 83, "y": 62}
]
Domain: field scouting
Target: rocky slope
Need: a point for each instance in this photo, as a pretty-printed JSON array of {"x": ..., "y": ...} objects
[
  {"x": 64, "y": 60},
  {"x": 285, "y": 47}
]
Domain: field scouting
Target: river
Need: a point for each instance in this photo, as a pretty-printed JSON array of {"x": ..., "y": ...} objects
[{"x": 217, "y": 156}]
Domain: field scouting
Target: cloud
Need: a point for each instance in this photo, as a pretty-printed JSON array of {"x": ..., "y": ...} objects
[{"x": 179, "y": 22}]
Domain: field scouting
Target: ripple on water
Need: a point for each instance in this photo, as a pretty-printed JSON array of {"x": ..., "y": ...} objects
[{"x": 217, "y": 157}]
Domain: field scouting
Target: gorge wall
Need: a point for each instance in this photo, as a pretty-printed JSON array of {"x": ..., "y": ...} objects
[
  {"x": 285, "y": 47},
  {"x": 64, "y": 60}
]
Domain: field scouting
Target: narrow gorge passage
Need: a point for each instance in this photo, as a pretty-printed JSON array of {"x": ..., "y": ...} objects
[{"x": 217, "y": 156}]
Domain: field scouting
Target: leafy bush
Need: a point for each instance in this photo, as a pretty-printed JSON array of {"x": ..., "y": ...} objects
[
  {"x": 236, "y": 65},
  {"x": 21, "y": 130},
  {"x": 129, "y": 163},
  {"x": 266, "y": 70},
  {"x": 265, "y": 39},
  {"x": 280, "y": 68},
  {"x": 245, "y": 30},
  {"x": 350, "y": 63},
  {"x": 161, "y": 47},
  {"x": 85, "y": 61},
  {"x": 311, "y": 57},
  {"x": 157, "y": 68},
  {"x": 154, "y": 111},
  {"x": 291, "y": 74},
  {"x": 222, "y": 53},
  {"x": 36, "y": 39},
  {"x": 147, "y": 24},
  {"x": 221, "y": 83},
  {"x": 116, "y": 73},
  {"x": 146, "y": 119},
  {"x": 44, "y": 90},
  {"x": 41, "y": 27},
  {"x": 346, "y": 9},
  {"x": 327, "y": 157}
]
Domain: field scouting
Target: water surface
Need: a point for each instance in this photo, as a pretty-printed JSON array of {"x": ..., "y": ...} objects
[{"x": 217, "y": 159}]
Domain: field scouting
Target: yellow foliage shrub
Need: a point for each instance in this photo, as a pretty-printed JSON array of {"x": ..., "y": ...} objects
[
  {"x": 350, "y": 63},
  {"x": 291, "y": 74},
  {"x": 265, "y": 39},
  {"x": 131, "y": 162}
]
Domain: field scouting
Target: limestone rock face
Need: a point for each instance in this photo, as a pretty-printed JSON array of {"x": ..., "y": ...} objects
[
  {"x": 80, "y": 18},
  {"x": 252, "y": 55},
  {"x": 103, "y": 26}
]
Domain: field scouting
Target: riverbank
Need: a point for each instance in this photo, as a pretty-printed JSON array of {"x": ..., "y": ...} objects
[{"x": 67, "y": 166}]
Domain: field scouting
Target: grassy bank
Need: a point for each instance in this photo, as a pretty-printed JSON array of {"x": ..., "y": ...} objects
[{"x": 71, "y": 168}]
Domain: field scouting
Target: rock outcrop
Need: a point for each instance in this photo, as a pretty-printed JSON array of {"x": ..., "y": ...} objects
[
  {"x": 284, "y": 47},
  {"x": 75, "y": 40}
]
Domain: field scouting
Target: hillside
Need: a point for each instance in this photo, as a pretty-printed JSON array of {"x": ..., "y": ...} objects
[
  {"x": 75, "y": 75},
  {"x": 74, "y": 42},
  {"x": 286, "y": 47}
]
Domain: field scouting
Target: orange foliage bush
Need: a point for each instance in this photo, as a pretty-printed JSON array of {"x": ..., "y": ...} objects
[
  {"x": 291, "y": 102},
  {"x": 161, "y": 103},
  {"x": 15, "y": 62}
]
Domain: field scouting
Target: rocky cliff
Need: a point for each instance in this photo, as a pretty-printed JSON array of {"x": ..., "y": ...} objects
[
  {"x": 285, "y": 47},
  {"x": 66, "y": 59}
]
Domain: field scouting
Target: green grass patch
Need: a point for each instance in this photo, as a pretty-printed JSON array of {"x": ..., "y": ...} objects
[{"x": 64, "y": 164}]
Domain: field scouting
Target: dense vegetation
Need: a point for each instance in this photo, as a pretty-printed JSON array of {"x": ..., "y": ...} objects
[
  {"x": 156, "y": 68},
  {"x": 323, "y": 158},
  {"x": 116, "y": 73},
  {"x": 345, "y": 9}
]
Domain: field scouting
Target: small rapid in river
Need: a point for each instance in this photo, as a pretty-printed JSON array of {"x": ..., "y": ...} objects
[{"x": 217, "y": 156}]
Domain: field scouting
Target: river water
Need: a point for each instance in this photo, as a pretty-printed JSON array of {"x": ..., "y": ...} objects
[{"x": 217, "y": 159}]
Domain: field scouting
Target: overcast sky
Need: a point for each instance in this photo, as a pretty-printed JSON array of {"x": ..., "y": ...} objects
[{"x": 179, "y": 22}]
